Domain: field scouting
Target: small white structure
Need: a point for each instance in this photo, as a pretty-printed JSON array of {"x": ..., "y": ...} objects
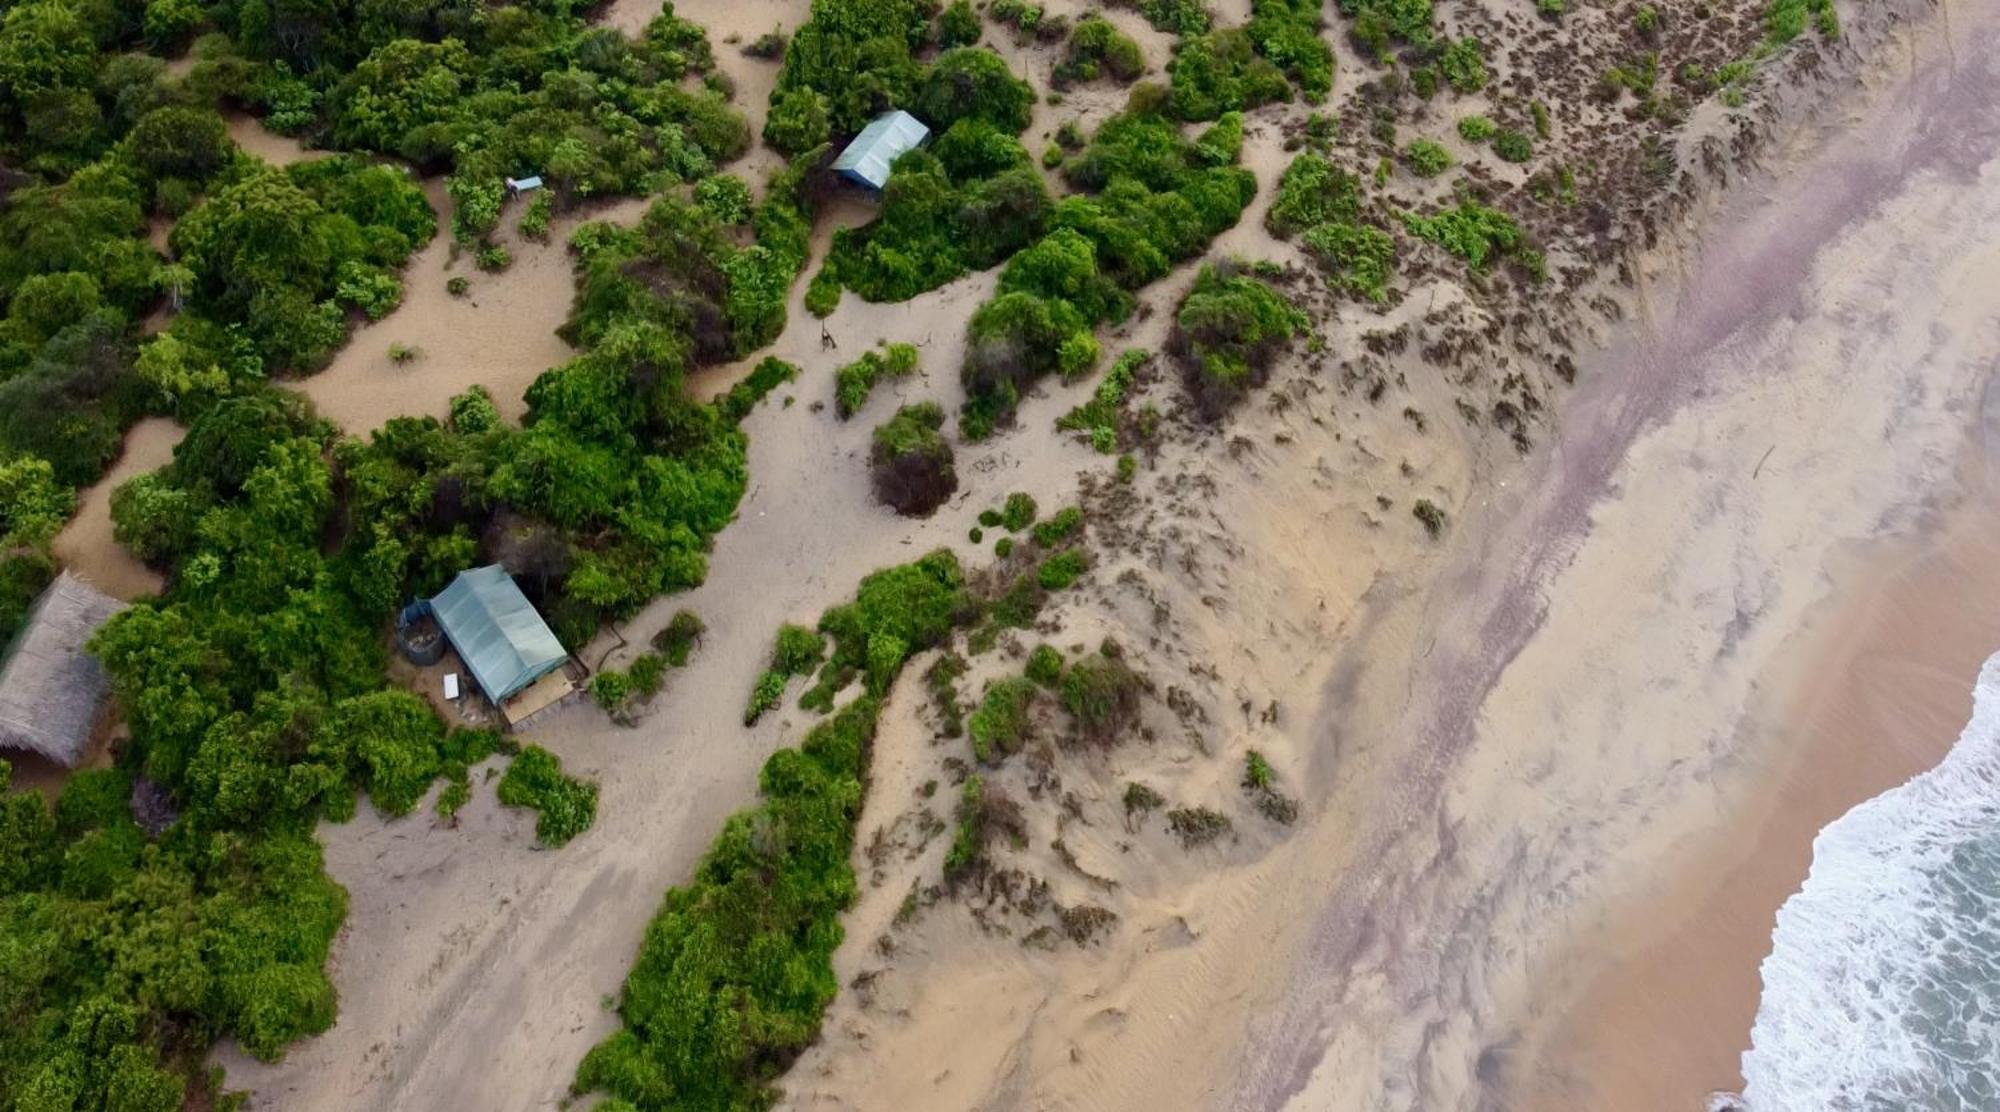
[
  {"x": 518, "y": 186},
  {"x": 867, "y": 160},
  {"x": 451, "y": 685}
]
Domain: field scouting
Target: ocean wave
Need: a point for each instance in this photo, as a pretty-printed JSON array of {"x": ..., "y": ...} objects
[{"x": 1882, "y": 990}]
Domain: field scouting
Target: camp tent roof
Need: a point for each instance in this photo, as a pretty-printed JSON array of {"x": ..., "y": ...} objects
[
  {"x": 503, "y": 641},
  {"x": 50, "y": 688},
  {"x": 885, "y": 139}
]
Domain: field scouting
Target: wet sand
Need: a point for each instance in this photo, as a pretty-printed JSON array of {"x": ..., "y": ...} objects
[{"x": 1880, "y": 688}]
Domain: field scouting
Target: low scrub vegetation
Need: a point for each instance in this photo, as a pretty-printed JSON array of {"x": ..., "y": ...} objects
[
  {"x": 564, "y": 805},
  {"x": 1229, "y": 329},
  {"x": 855, "y": 381}
]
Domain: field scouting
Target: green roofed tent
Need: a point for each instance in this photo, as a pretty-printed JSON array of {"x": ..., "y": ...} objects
[
  {"x": 496, "y": 631},
  {"x": 886, "y": 138}
]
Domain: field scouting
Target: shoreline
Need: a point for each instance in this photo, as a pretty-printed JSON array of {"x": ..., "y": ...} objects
[{"x": 1876, "y": 693}]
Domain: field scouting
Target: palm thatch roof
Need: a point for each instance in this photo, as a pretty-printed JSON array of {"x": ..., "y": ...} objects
[{"x": 51, "y": 689}]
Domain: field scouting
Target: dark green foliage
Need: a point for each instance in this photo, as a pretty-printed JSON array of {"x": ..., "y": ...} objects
[
  {"x": 1222, "y": 71},
  {"x": 1463, "y": 64},
  {"x": 855, "y": 381},
  {"x": 957, "y": 25},
  {"x": 1152, "y": 198},
  {"x": 973, "y": 83},
  {"x": 968, "y": 840},
  {"x": 1060, "y": 526},
  {"x": 855, "y": 60},
  {"x": 23, "y": 576},
  {"x": 1102, "y": 693},
  {"x": 1096, "y": 47},
  {"x": 798, "y": 650},
  {"x": 911, "y": 462},
  {"x": 1229, "y": 329},
  {"x": 770, "y": 373},
  {"x": 1357, "y": 258},
  {"x": 1000, "y": 726},
  {"x": 677, "y": 639},
  {"x": 766, "y": 694},
  {"x": 564, "y": 805},
  {"x": 1019, "y": 511},
  {"x": 1176, "y": 17},
  {"x": 965, "y": 203},
  {"x": 1287, "y": 34},
  {"x": 1476, "y": 129},
  {"x": 1058, "y": 572},
  {"x": 736, "y": 967},
  {"x": 1375, "y": 24},
  {"x": 1514, "y": 146},
  {"x": 1313, "y": 191}
]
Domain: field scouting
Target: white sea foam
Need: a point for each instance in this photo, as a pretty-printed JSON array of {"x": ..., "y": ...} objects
[{"x": 1882, "y": 991}]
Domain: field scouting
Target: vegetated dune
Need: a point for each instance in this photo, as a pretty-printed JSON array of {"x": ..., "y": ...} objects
[{"x": 85, "y": 546}]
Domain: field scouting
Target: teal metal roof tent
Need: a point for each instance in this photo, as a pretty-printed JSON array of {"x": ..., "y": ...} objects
[
  {"x": 496, "y": 631},
  {"x": 867, "y": 160}
]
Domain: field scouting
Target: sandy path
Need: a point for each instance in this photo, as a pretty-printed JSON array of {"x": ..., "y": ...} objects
[
  {"x": 85, "y": 545},
  {"x": 501, "y": 334},
  {"x": 1535, "y": 742}
]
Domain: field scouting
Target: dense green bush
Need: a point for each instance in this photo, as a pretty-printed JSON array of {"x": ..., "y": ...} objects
[
  {"x": 1476, "y": 233},
  {"x": 973, "y": 83},
  {"x": 564, "y": 805},
  {"x": 911, "y": 462},
  {"x": 1357, "y": 258},
  {"x": 1375, "y": 24},
  {"x": 1097, "y": 47},
  {"x": 1222, "y": 71},
  {"x": 1312, "y": 191},
  {"x": 957, "y": 25},
  {"x": 1058, "y": 572},
  {"x": 966, "y": 203},
  {"x": 1176, "y": 17},
  {"x": 1229, "y": 328},
  {"x": 1060, "y": 526},
  {"x": 856, "y": 60},
  {"x": 1476, "y": 129},
  {"x": 1425, "y": 158}
]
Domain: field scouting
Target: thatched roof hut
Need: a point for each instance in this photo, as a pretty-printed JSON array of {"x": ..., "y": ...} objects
[{"x": 51, "y": 690}]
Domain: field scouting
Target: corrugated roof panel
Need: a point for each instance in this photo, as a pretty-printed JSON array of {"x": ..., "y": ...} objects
[{"x": 886, "y": 138}]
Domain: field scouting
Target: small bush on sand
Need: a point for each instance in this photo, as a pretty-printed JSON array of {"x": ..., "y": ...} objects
[
  {"x": 1045, "y": 665},
  {"x": 676, "y": 641},
  {"x": 913, "y": 465},
  {"x": 1018, "y": 512},
  {"x": 1000, "y": 725},
  {"x": 1198, "y": 826},
  {"x": 1425, "y": 158},
  {"x": 1102, "y": 693},
  {"x": 798, "y": 650},
  {"x": 565, "y": 805},
  {"x": 1060, "y": 526},
  {"x": 1058, "y": 572}
]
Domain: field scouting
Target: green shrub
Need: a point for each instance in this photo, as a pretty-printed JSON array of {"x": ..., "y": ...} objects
[
  {"x": 855, "y": 381},
  {"x": 958, "y": 25},
  {"x": 1003, "y": 547},
  {"x": 1463, "y": 64},
  {"x": 1097, "y": 47},
  {"x": 1473, "y": 232},
  {"x": 565, "y": 806},
  {"x": 677, "y": 639},
  {"x": 1045, "y": 665},
  {"x": 1061, "y": 570},
  {"x": 1514, "y": 146},
  {"x": 911, "y": 462},
  {"x": 610, "y": 688},
  {"x": 1176, "y": 17},
  {"x": 1312, "y": 191},
  {"x": 770, "y": 373},
  {"x": 1476, "y": 129},
  {"x": 1228, "y": 330},
  {"x": 798, "y": 650},
  {"x": 968, "y": 841},
  {"x": 1060, "y": 526},
  {"x": 1102, "y": 694},
  {"x": 999, "y": 727},
  {"x": 1426, "y": 159},
  {"x": 769, "y": 689},
  {"x": 1356, "y": 258},
  {"x": 736, "y": 968},
  {"x": 1019, "y": 511}
]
